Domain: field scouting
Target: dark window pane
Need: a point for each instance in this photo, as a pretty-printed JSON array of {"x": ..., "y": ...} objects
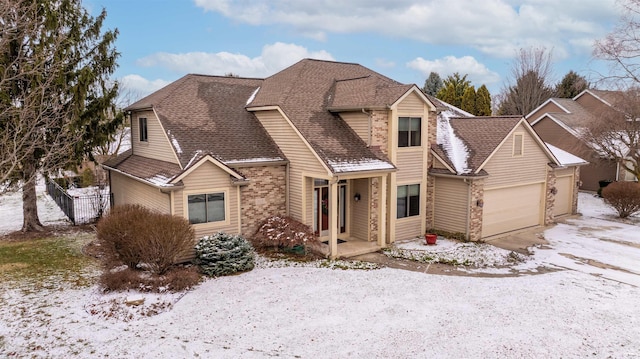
[
  {"x": 197, "y": 210},
  {"x": 215, "y": 207},
  {"x": 402, "y": 207},
  {"x": 415, "y": 131}
]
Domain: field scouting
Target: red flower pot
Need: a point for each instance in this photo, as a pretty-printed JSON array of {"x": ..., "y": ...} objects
[{"x": 430, "y": 238}]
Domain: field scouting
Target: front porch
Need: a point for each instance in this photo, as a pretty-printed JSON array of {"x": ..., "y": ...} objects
[{"x": 348, "y": 247}]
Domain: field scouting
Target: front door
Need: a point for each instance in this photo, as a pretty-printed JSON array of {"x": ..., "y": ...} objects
[{"x": 321, "y": 207}]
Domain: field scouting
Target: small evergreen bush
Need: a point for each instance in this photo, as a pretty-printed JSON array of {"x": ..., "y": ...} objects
[
  {"x": 624, "y": 197},
  {"x": 224, "y": 254},
  {"x": 144, "y": 239},
  {"x": 283, "y": 232}
]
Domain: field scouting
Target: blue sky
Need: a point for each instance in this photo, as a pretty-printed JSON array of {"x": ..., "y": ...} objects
[{"x": 162, "y": 40}]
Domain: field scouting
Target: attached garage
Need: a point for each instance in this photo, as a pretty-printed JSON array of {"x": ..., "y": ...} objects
[
  {"x": 564, "y": 196},
  {"x": 512, "y": 208}
]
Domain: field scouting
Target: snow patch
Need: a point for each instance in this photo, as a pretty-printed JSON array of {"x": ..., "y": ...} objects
[
  {"x": 252, "y": 160},
  {"x": 365, "y": 164},
  {"x": 175, "y": 142},
  {"x": 159, "y": 180},
  {"x": 453, "y": 145},
  {"x": 253, "y": 95},
  {"x": 565, "y": 158}
]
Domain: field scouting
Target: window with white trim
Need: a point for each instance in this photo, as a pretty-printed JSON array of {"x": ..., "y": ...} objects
[
  {"x": 205, "y": 208},
  {"x": 142, "y": 128},
  {"x": 409, "y": 131},
  {"x": 408, "y": 201},
  {"x": 518, "y": 144}
]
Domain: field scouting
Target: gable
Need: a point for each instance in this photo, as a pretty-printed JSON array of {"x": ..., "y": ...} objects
[
  {"x": 507, "y": 169},
  {"x": 549, "y": 106},
  {"x": 157, "y": 145},
  {"x": 552, "y": 132}
]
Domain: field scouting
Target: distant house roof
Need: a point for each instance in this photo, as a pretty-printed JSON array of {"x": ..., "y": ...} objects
[
  {"x": 308, "y": 90},
  {"x": 206, "y": 115}
]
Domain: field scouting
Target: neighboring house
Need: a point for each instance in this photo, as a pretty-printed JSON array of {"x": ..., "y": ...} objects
[
  {"x": 558, "y": 121},
  {"x": 493, "y": 175},
  {"x": 334, "y": 145}
]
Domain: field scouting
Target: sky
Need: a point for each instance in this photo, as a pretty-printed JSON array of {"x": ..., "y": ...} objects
[{"x": 162, "y": 40}]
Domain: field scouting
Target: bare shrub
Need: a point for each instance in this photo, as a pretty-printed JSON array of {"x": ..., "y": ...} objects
[
  {"x": 175, "y": 279},
  {"x": 624, "y": 197},
  {"x": 283, "y": 232},
  {"x": 144, "y": 239}
]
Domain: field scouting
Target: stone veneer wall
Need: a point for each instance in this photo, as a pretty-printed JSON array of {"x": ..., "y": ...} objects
[
  {"x": 431, "y": 137},
  {"x": 576, "y": 179},
  {"x": 375, "y": 204},
  {"x": 380, "y": 130},
  {"x": 475, "y": 210},
  {"x": 433, "y": 127},
  {"x": 264, "y": 196},
  {"x": 550, "y": 198}
]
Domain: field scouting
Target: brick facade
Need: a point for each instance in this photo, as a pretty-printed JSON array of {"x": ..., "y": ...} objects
[
  {"x": 576, "y": 184},
  {"x": 375, "y": 204},
  {"x": 380, "y": 130},
  {"x": 264, "y": 196}
]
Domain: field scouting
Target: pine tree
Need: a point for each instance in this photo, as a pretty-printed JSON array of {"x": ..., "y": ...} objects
[
  {"x": 453, "y": 89},
  {"x": 571, "y": 85},
  {"x": 469, "y": 100},
  {"x": 433, "y": 84},
  {"x": 56, "y": 99},
  {"x": 483, "y": 102}
]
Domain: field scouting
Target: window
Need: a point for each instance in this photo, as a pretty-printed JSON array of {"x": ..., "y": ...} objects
[
  {"x": 408, "y": 201},
  {"x": 409, "y": 131},
  {"x": 518, "y": 144},
  {"x": 204, "y": 208},
  {"x": 142, "y": 122}
]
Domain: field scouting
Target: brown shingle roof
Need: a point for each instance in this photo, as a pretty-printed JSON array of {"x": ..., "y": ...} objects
[
  {"x": 206, "y": 114},
  {"x": 482, "y": 135},
  {"x": 151, "y": 170},
  {"x": 306, "y": 91}
]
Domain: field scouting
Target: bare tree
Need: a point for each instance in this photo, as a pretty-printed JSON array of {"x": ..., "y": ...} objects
[{"x": 529, "y": 83}]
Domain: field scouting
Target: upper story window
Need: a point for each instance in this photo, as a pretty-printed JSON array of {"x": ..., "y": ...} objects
[
  {"x": 408, "y": 201},
  {"x": 142, "y": 125},
  {"x": 518, "y": 144},
  {"x": 204, "y": 208},
  {"x": 409, "y": 131}
]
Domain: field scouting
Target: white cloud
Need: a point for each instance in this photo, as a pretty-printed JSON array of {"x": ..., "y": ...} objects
[
  {"x": 495, "y": 27},
  {"x": 133, "y": 87},
  {"x": 273, "y": 58},
  {"x": 385, "y": 63},
  {"x": 478, "y": 73}
]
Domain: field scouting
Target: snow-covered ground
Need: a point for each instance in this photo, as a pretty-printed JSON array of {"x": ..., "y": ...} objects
[
  {"x": 11, "y": 210},
  {"x": 577, "y": 311}
]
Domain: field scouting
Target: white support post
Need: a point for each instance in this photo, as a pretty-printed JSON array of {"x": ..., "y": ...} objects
[{"x": 333, "y": 219}]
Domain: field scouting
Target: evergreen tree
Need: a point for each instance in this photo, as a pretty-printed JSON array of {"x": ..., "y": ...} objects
[
  {"x": 469, "y": 100},
  {"x": 571, "y": 85},
  {"x": 56, "y": 99},
  {"x": 432, "y": 84},
  {"x": 453, "y": 89},
  {"x": 483, "y": 102}
]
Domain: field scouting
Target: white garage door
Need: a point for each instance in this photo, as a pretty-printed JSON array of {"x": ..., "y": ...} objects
[
  {"x": 509, "y": 209},
  {"x": 564, "y": 196}
]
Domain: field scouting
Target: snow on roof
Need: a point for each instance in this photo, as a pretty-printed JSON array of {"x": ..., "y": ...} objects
[
  {"x": 452, "y": 145},
  {"x": 159, "y": 180},
  {"x": 253, "y": 95},
  {"x": 175, "y": 142},
  {"x": 253, "y": 160},
  {"x": 366, "y": 164},
  {"x": 565, "y": 158}
]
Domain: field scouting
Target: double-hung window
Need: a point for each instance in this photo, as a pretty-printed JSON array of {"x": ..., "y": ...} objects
[
  {"x": 409, "y": 131},
  {"x": 142, "y": 127},
  {"x": 408, "y": 201},
  {"x": 204, "y": 208}
]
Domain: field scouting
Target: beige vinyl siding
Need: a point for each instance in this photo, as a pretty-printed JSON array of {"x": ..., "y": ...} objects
[
  {"x": 409, "y": 227},
  {"x": 302, "y": 163},
  {"x": 157, "y": 146},
  {"x": 129, "y": 191},
  {"x": 507, "y": 170},
  {"x": 412, "y": 105},
  {"x": 359, "y": 122},
  {"x": 360, "y": 210},
  {"x": 410, "y": 163},
  {"x": 209, "y": 178},
  {"x": 451, "y": 204}
]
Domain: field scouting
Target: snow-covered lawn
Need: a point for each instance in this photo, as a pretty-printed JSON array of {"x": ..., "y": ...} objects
[{"x": 305, "y": 311}]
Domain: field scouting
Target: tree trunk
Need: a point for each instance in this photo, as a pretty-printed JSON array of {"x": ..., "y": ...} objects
[{"x": 31, "y": 222}]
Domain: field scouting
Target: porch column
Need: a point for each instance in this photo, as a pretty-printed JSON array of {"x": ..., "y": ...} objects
[
  {"x": 382, "y": 217},
  {"x": 333, "y": 219}
]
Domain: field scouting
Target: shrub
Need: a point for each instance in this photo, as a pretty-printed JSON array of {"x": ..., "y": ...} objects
[
  {"x": 224, "y": 254},
  {"x": 624, "y": 197},
  {"x": 141, "y": 238},
  {"x": 283, "y": 232},
  {"x": 176, "y": 279}
]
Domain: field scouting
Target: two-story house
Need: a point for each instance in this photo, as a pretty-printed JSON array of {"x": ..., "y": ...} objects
[{"x": 337, "y": 146}]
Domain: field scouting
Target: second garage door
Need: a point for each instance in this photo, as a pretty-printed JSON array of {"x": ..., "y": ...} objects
[
  {"x": 564, "y": 196},
  {"x": 512, "y": 208}
]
